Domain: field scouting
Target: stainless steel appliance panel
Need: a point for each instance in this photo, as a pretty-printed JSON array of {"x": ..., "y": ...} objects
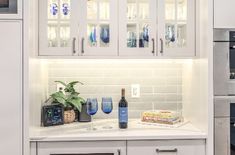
[
  {"x": 221, "y": 34},
  {"x": 10, "y": 9},
  {"x": 222, "y": 107},
  {"x": 222, "y": 136},
  {"x": 221, "y": 68}
]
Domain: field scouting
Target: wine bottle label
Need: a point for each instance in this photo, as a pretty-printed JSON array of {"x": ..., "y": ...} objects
[{"x": 123, "y": 114}]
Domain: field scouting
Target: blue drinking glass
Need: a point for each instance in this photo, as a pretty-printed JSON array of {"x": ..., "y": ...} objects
[
  {"x": 65, "y": 9},
  {"x": 54, "y": 9},
  {"x": 107, "y": 107},
  {"x": 92, "y": 108}
]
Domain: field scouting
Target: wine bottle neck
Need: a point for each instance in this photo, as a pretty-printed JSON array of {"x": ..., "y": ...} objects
[{"x": 123, "y": 93}]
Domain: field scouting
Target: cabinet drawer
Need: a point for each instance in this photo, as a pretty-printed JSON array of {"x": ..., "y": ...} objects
[
  {"x": 165, "y": 147},
  {"x": 81, "y": 148}
]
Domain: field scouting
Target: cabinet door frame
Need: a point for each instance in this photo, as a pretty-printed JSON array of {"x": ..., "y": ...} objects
[
  {"x": 49, "y": 148},
  {"x": 123, "y": 21},
  {"x": 112, "y": 50},
  {"x": 189, "y": 50},
  {"x": 179, "y": 147},
  {"x": 44, "y": 50}
]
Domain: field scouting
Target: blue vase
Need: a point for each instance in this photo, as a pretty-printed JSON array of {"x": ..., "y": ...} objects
[
  {"x": 104, "y": 35},
  {"x": 54, "y": 9},
  {"x": 65, "y": 8}
]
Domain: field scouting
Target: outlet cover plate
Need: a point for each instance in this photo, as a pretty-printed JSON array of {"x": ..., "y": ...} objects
[{"x": 135, "y": 90}]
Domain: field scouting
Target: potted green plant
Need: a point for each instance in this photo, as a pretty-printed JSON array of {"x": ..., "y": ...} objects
[{"x": 70, "y": 99}]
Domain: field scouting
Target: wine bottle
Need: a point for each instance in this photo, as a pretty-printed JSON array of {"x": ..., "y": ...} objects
[{"x": 123, "y": 112}]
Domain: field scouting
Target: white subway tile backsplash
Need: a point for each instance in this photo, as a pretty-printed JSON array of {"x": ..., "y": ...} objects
[{"x": 160, "y": 83}]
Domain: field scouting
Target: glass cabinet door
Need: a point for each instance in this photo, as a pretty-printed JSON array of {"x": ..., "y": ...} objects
[
  {"x": 137, "y": 27},
  {"x": 99, "y": 28},
  {"x": 177, "y": 27},
  {"x": 55, "y": 28}
]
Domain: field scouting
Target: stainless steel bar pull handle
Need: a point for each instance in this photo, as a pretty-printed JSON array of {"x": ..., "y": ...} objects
[
  {"x": 74, "y": 45},
  {"x": 119, "y": 152},
  {"x": 159, "y": 151},
  {"x": 153, "y": 51},
  {"x": 161, "y": 49},
  {"x": 83, "y": 51}
]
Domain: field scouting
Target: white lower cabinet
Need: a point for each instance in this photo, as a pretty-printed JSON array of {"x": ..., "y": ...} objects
[
  {"x": 164, "y": 147},
  {"x": 148, "y": 147},
  {"x": 82, "y": 148}
]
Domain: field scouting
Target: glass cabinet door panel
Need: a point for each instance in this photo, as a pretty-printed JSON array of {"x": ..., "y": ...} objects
[
  {"x": 137, "y": 27},
  {"x": 131, "y": 9},
  {"x": 92, "y": 35},
  {"x": 65, "y": 9},
  {"x": 138, "y": 34},
  {"x": 104, "y": 10},
  {"x": 175, "y": 32},
  {"x": 144, "y": 35},
  {"x": 64, "y": 35},
  {"x": 170, "y": 8},
  {"x": 170, "y": 35},
  {"x": 58, "y": 31},
  {"x": 143, "y": 9},
  {"x": 52, "y": 34},
  {"x": 131, "y": 35},
  {"x": 104, "y": 35},
  {"x": 181, "y": 35},
  {"x": 53, "y": 9},
  {"x": 100, "y": 26},
  {"x": 178, "y": 25},
  {"x": 182, "y": 10},
  {"x": 92, "y": 8}
]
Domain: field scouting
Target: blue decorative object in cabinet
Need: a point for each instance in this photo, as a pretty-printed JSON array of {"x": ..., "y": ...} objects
[
  {"x": 104, "y": 35},
  {"x": 54, "y": 9},
  {"x": 65, "y": 8}
]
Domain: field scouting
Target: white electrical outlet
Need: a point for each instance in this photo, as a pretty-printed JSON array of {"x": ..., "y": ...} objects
[
  {"x": 135, "y": 90},
  {"x": 59, "y": 87}
]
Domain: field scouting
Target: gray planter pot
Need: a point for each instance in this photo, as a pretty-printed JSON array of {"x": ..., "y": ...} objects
[{"x": 83, "y": 116}]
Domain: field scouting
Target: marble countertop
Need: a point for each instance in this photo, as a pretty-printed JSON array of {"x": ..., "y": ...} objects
[{"x": 136, "y": 131}]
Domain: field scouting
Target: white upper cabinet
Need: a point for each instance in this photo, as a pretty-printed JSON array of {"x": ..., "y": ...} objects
[
  {"x": 224, "y": 14},
  {"x": 131, "y": 28},
  {"x": 137, "y": 27},
  {"x": 58, "y": 31},
  {"x": 99, "y": 28},
  {"x": 176, "y": 28}
]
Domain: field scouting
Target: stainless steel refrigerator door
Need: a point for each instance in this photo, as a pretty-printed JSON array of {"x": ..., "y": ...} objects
[
  {"x": 222, "y": 136},
  {"x": 221, "y": 68}
]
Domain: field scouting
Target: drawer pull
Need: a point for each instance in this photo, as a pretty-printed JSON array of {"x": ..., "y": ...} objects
[{"x": 159, "y": 151}]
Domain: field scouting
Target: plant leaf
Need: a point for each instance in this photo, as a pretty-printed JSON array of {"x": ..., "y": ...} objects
[
  {"x": 77, "y": 102},
  {"x": 59, "y": 97},
  {"x": 64, "y": 84},
  {"x": 74, "y": 83}
]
